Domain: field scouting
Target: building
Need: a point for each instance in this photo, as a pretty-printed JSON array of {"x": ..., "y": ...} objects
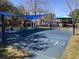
[{"x": 63, "y": 21}]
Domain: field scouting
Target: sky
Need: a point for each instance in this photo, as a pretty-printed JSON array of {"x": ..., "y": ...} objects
[{"x": 59, "y": 7}]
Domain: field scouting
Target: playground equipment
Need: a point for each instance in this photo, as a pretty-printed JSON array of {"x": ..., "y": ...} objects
[{"x": 3, "y": 14}]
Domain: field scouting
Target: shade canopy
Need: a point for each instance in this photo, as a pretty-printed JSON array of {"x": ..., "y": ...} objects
[
  {"x": 30, "y": 17},
  {"x": 62, "y": 17}
]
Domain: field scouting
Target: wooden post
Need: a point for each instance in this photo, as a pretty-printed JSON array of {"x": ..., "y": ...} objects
[
  {"x": 50, "y": 22},
  {"x": 3, "y": 28}
]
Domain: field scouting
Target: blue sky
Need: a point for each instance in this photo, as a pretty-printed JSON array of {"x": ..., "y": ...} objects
[{"x": 58, "y": 7}]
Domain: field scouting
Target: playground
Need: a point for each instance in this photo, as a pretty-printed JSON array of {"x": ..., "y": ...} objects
[
  {"x": 34, "y": 29},
  {"x": 44, "y": 43}
]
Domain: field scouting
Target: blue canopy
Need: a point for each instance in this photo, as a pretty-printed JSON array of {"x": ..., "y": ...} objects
[
  {"x": 30, "y": 17},
  {"x": 7, "y": 14},
  {"x": 62, "y": 17}
]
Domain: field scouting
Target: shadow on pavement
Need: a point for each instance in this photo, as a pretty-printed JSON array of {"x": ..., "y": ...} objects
[{"x": 24, "y": 40}]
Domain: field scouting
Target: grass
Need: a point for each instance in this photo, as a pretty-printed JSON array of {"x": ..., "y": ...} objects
[
  {"x": 10, "y": 52},
  {"x": 44, "y": 27},
  {"x": 65, "y": 28},
  {"x": 72, "y": 49}
]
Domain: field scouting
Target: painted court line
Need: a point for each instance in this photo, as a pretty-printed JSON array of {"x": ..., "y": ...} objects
[{"x": 56, "y": 43}]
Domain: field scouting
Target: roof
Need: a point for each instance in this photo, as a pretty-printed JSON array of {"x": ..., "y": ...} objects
[
  {"x": 30, "y": 17},
  {"x": 62, "y": 17}
]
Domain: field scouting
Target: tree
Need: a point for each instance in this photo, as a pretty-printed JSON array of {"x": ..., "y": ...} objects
[
  {"x": 75, "y": 18},
  {"x": 75, "y": 13},
  {"x": 2, "y": 1},
  {"x": 8, "y": 7},
  {"x": 33, "y": 6},
  {"x": 21, "y": 9}
]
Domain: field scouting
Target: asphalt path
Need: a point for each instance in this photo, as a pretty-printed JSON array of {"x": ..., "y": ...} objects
[
  {"x": 57, "y": 41},
  {"x": 43, "y": 43}
]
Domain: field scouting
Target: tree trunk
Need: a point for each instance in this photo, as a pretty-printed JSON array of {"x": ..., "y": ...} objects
[{"x": 3, "y": 29}]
